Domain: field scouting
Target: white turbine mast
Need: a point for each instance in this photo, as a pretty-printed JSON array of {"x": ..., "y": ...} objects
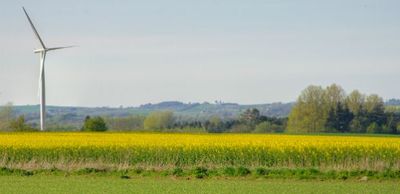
[{"x": 42, "y": 51}]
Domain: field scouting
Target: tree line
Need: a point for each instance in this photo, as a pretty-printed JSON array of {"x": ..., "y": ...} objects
[
  {"x": 329, "y": 109},
  {"x": 249, "y": 121},
  {"x": 316, "y": 110}
]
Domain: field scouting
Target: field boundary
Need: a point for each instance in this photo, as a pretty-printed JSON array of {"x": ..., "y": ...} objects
[{"x": 226, "y": 172}]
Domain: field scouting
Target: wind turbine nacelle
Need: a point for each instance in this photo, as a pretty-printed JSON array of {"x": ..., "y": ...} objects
[
  {"x": 51, "y": 49},
  {"x": 40, "y": 50}
]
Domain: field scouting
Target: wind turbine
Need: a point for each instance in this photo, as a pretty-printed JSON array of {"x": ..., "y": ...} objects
[{"x": 42, "y": 88}]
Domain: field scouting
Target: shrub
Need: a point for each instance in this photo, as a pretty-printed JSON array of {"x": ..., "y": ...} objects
[
  {"x": 177, "y": 171},
  {"x": 261, "y": 171},
  {"x": 138, "y": 170},
  {"x": 94, "y": 124},
  {"x": 242, "y": 171},
  {"x": 230, "y": 171},
  {"x": 267, "y": 127},
  {"x": 200, "y": 172}
]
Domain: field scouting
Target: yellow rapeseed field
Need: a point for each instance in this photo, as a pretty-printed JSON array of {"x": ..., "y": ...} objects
[{"x": 147, "y": 149}]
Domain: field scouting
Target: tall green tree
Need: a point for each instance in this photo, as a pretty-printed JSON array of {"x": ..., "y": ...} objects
[
  {"x": 335, "y": 97},
  {"x": 310, "y": 112},
  {"x": 374, "y": 103},
  {"x": 355, "y": 102},
  {"x": 375, "y": 112}
]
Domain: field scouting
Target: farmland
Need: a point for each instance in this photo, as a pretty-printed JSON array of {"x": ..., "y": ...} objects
[
  {"x": 96, "y": 184},
  {"x": 74, "y": 151}
]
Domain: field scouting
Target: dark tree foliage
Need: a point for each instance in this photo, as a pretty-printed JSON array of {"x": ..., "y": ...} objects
[
  {"x": 214, "y": 125},
  {"x": 377, "y": 116},
  {"x": 274, "y": 120},
  {"x": 392, "y": 123},
  {"x": 188, "y": 124},
  {"x": 250, "y": 116},
  {"x": 94, "y": 124},
  {"x": 339, "y": 119}
]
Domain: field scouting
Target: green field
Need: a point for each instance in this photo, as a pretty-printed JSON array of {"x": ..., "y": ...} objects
[{"x": 97, "y": 184}]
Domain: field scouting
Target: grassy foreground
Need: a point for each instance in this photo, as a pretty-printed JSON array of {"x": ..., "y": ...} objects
[{"x": 96, "y": 184}]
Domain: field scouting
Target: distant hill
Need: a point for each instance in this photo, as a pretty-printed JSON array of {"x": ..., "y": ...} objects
[
  {"x": 393, "y": 102},
  {"x": 74, "y": 116},
  {"x": 64, "y": 115}
]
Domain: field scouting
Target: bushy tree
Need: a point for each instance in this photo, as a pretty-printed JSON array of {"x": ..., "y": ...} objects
[
  {"x": 214, "y": 125},
  {"x": 355, "y": 102},
  {"x": 335, "y": 97},
  {"x": 94, "y": 124},
  {"x": 6, "y": 116},
  {"x": 19, "y": 124},
  {"x": 159, "y": 120}
]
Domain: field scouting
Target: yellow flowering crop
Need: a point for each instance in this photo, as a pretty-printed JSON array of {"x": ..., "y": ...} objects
[{"x": 202, "y": 149}]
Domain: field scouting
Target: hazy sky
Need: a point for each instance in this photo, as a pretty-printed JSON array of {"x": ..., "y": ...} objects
[{"x": 255, "y": 51}]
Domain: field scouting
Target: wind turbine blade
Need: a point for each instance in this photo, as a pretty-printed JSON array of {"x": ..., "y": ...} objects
[
  {"x": 34, "y": 29},
  {"x": 57, "y": 48}
]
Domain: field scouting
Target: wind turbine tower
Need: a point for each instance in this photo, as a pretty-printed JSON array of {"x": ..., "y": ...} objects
[{"x": 42, "y": 51}]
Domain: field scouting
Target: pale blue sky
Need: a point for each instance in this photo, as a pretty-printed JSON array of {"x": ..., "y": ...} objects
[{"x": 135, "y": 52}]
